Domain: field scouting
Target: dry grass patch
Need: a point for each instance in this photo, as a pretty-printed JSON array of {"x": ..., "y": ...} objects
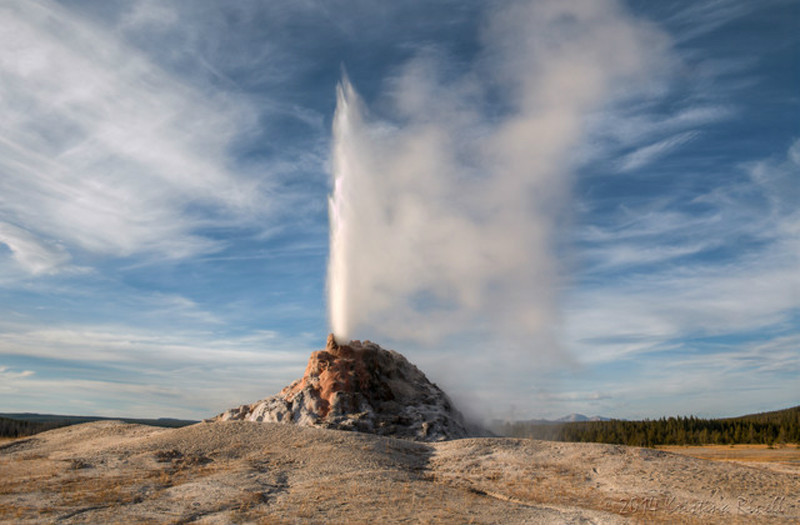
[
  {"x": 104, "y": 492},
  {"x": 180, "y": 468},
  {"x": 16, "y": 512},
  {"x": 749, "y": 453},
  {"x": 21, "y": 474},
  {"x": 248, "y": 508},
  {"x": 377, "y": 499}
]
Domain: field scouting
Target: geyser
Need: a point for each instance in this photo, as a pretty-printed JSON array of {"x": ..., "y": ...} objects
[{"x": 338, "y": 276}]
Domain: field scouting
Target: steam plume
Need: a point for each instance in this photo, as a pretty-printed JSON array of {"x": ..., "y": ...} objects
[{"x": 443, "y": 219}]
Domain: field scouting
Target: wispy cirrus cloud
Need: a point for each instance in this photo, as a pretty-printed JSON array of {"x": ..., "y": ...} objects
[
  {"x": 143, "y": 372},
  {"x": 701, "y": 18},
  {"x": 652, "y": 152},
  {"x": 103, "y": 151},
  {"x": 32, "y": 254},
  {"x": 708, "y": 375},
  {"x": 692, "y": 93},
  {"x": 727, "y": 287},
  {"x": 114, "y": 343},
  {"x": 8, "y": 373}
]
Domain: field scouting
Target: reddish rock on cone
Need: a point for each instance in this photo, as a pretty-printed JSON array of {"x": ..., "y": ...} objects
[{"x": 360, "y": 386}]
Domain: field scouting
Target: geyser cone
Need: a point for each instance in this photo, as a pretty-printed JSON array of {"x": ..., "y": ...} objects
[{"x": 360, "y": 386}]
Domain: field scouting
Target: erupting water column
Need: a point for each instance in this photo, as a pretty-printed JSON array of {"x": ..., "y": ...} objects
[{"x": 338, "y": 274}]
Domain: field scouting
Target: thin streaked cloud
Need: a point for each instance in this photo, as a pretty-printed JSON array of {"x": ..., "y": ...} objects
[{"x": 652, "y": 152}]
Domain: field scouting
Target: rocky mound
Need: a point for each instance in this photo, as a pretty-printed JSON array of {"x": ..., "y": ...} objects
[{"x": 360, "y": 386}]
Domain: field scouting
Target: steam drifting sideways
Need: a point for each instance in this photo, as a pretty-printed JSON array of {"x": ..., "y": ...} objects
[{"x": 445, "y": 213}]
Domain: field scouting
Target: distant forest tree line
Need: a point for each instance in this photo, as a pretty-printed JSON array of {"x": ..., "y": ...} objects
[
  {"x": 15, "y": 428},
  {"x": 768, "y": 428},
  {"x": 21, "y": 425}
]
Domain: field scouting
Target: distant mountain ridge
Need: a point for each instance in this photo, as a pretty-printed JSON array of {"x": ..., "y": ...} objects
[
  {"x": 575, "y": 418},
  {"x": 570, "y": 418}
]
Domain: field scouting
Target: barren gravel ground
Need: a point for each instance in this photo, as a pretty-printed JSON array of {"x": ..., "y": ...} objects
[{"x": 244, "y": 472}]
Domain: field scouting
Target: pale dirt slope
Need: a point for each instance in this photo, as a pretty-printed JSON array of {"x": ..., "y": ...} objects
[{"x": 247, "y": 472}]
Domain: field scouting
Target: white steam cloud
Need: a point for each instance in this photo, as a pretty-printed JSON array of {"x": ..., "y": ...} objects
[{"x": 444, "y": 217}]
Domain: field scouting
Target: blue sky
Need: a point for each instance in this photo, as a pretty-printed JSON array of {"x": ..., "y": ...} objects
[{"x": 165, "y": 171}]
